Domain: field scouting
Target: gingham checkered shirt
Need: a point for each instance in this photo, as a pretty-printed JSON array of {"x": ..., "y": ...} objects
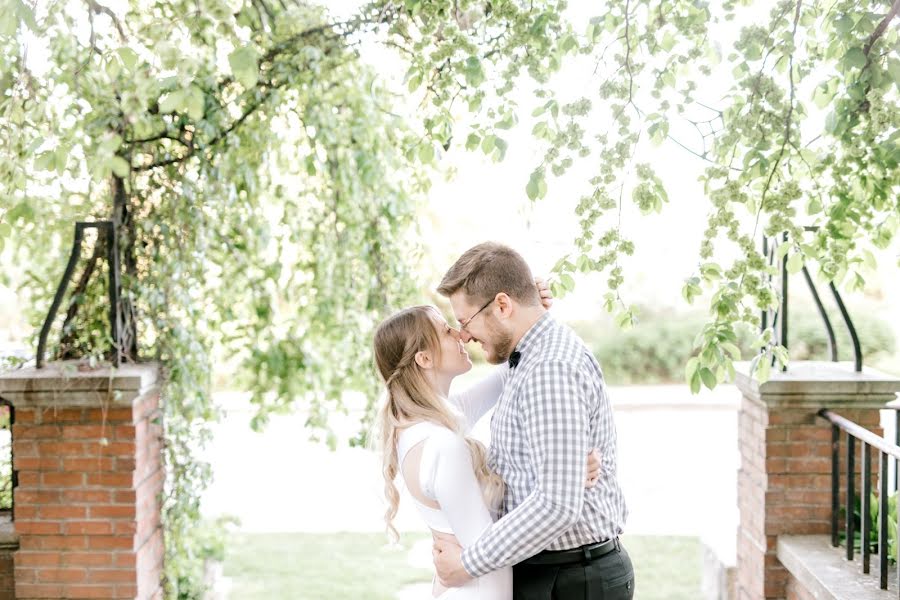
[{"x": 553, "y": 410}]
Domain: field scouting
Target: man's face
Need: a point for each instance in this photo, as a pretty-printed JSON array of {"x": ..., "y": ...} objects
[{"x": 483, "y": 327}]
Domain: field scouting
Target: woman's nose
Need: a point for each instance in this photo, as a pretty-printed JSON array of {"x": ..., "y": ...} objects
[{"x": 464, "y": 336}]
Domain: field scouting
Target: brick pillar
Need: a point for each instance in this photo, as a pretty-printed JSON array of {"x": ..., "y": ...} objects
[
  {"x": 87, "y": 447},
  {"x": 784, "y": 483},
  {"x": 9, "y": 543}
]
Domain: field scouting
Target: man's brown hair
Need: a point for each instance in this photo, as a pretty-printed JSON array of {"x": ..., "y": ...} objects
[{"x": 487, "y": 269}]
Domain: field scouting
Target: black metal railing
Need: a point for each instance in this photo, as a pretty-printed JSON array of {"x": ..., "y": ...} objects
[
  {"x": 887, "y": 452},
  {"x": 107, "y": 231},
  {"x": 779, "y": 317}
]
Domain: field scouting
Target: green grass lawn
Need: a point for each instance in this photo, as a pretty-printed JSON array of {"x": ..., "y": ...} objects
[{"x": 357, "y": 566}]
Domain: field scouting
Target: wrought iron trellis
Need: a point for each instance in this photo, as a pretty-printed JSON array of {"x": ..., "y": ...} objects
[
  {"x": 107, "y": 230},
  {"x": 779, "y": 316}
]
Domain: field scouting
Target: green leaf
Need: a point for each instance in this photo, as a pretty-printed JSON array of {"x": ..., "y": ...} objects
[
  {"x": 473, "y": 71},
  {"x": 823, "y": 95},
  {"x": 869, "y": 260},
  {"x": 893, "y": 68},
  {"x": 61, "y": 158},
  {"x": 763, "y": 368},
  {"x": 708, "y": 377},
  {"x": 194, "y": 103},
  {"x": 568, "y": 43},
  {"x": 113, "y": 67},
  {"x": 855, "y": 58},
  {"x": 795, "y": 263},
  {"x": 487, "y": 144},
  {"x": 426, "y": 152},
  {"x": 171, "y": 102},
  {"x": 128, "y": 56},
  {"x": 844, "y": 24},
  {"x": 695, "y": 382},
  {"x": 831, "y": 122},
  {"x": 45, "y": 161},
  {"x": 690, "y": 368},
  {"x": 472, "y": 141},
  {"x": 243, "y": 62},
  {"x": 668, "y": 41},
  {"x": 9, "y": 23},
  {"x": 658, "y": 132},
  {"x": 501, "y": 145},
  {"x": 26, "y": 15},
  {"x": 536, "y": 187},
  {"x": 731, "y": 349},
  {"x": 119, "y": 166}
]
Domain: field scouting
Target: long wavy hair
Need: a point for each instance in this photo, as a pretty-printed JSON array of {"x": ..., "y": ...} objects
[{"x": 411, "y": 398}]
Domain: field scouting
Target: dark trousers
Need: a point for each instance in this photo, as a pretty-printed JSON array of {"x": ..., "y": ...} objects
[{"x": 609, "y": 577}]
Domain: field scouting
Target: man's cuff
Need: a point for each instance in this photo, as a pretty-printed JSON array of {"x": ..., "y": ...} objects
[{"x": 469, "y": 563}]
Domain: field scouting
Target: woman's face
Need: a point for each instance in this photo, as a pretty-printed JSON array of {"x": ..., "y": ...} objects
[{"x": 453, "y": 359}]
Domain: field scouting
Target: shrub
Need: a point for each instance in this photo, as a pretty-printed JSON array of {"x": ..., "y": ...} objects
[{"x": 657, "y": 348}]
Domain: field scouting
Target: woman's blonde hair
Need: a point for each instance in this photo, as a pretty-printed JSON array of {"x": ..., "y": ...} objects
[{"x": 412, "y": 398}]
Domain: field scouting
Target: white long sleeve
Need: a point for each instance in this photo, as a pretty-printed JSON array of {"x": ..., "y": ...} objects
[
  {"x": 446, "y": 476},
  {"x": 481, "y": 397}
]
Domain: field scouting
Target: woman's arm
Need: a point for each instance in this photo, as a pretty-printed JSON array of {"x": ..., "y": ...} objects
[
  {"x": 481, "y": 397},
  {"x": 448, "y": 477}
]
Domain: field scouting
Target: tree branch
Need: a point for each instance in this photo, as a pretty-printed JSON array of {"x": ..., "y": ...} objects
[
  {"x": 880, "y": 29},
  {"x": 98, "y": 8}
]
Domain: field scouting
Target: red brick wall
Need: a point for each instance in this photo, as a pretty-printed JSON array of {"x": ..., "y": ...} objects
[
  {"x": 784, "y": 486},
  {"x": 796, "y": 591},
  {"x": 7, "y": 583},
  {"x": 86, "y": 505}
]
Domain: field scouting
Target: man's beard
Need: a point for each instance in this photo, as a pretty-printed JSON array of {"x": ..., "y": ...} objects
[{"x": 500, "y": 341}]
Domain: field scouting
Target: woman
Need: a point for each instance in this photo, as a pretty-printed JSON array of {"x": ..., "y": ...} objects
[{"x": 422, "y": 432}]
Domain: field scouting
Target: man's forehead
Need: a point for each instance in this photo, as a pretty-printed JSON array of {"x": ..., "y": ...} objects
[{"x": 460, "y": 303}]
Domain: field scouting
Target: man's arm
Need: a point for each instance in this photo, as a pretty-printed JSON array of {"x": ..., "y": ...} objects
[{"x": 554, "y": 412}]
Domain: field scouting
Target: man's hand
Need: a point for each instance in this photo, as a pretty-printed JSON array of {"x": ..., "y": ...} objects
[
  {"x": 544, "y": 292},
  {"x": 593, "y": 468},
  {"x": 447, "y": 555}
]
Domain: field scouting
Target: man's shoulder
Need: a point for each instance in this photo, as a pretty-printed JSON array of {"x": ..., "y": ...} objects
[
  {"x": 563, "y": 344},
  {"x": 563, "y": 351}
]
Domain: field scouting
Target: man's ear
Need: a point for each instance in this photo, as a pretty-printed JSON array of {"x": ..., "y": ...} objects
[
  {"x": 423, "y": 359},
  {"x": 504, "y": 303}
]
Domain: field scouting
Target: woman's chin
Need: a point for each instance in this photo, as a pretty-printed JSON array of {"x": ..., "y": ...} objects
[{"x": 468, "y": 366}]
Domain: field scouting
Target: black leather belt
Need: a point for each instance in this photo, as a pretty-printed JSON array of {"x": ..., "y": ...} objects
[{"x": 584, "y": 554}]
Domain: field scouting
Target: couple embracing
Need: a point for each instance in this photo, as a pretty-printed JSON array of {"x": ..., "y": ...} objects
[{"x": 531, "y": 518}]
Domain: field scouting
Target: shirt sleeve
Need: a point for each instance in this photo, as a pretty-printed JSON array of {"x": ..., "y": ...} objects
[
  {"x": 554, "y": 415},
  {"x": 450, "y": 480},
  {"x": 481, "y": 397}
]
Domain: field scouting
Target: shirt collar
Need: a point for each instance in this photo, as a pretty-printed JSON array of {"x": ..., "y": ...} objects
[{"x": 534, "y": 333}]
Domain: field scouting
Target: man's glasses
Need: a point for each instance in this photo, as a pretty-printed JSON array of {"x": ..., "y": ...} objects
[{"x": 464, "y": 324}]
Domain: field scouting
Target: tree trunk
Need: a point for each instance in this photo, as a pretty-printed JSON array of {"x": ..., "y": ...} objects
[{"x": 125, "y": 232}]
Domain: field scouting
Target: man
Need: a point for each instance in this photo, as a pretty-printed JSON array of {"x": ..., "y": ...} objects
[{"x": 553, "y": 409}]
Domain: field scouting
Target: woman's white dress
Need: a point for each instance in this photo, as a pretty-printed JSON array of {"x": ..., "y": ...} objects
[{"x": 446, "y": 476}]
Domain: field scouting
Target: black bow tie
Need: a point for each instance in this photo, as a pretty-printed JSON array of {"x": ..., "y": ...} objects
[{"x": 514, "y": 359}]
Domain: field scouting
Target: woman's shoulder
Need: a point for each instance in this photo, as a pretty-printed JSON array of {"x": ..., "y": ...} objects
[{"x": 438, "y": 436}]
